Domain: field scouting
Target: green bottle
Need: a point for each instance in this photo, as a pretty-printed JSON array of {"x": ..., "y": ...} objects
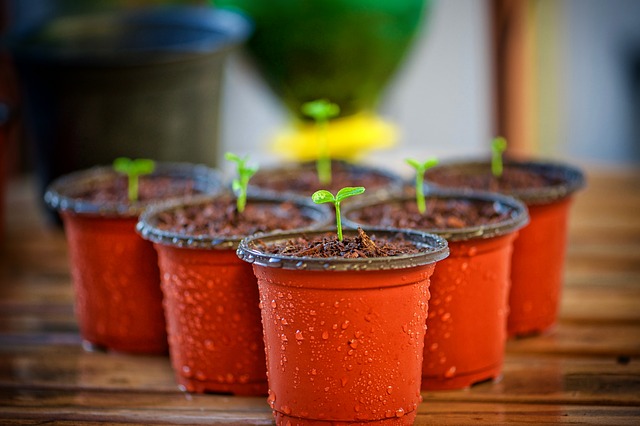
[{"x": 341, "y": 50}]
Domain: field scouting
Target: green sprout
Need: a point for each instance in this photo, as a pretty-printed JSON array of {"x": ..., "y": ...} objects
[
  {"x": 324, "y": 196},
  {"x": 322, "y": 111},
  {"x": 240, "y": 183},
  {"x": 133, "y": 169},
  {"x": 498, "y": 146},
  {"x": 420, "y": 169}
]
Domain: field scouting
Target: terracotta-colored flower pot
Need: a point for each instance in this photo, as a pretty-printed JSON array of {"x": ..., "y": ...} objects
[
  {"x": 114, "y": 271},
  {"x": 466, "y": 327},
  {"x": 211, "y": 299},
  {"x": 344, "y": 337},
  {"x": 302, "y": 179},
  {"x": 539, "y": 251}
]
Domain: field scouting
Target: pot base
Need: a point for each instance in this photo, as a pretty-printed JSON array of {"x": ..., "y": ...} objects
[
  {"x": 461, "y": 381},
  {"x": 213, "y": 386},
  {"x": 285, "y": 420}
]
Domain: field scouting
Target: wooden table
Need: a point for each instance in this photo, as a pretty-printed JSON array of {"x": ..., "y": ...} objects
[{"x": 585, "y": 371}]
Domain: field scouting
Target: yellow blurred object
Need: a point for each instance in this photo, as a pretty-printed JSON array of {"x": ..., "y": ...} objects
[{"x": 348, "y": 138}]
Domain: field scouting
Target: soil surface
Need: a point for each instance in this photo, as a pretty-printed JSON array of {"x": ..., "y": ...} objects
[
  {"x": 303, "y": 179},
  {"x": 219, "y": 217},
  {"x": 441, "y": 213},
  {"x": 351, "y": 247},
  {"x": 514, "y": 178},
  {"x": 150, "y": 188}
]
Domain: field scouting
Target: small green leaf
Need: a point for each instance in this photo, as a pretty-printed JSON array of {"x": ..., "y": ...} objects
[
  {"x": 420, "y": 168},
  {"x": 236, "y": 186},
  {"x": 413, "y": 163},
  {"x": 232, "y": 157},
  {"x": 122, "y": 165},
  {"x": 320, "y": 110},
  {"x": 323, "y": 196},
  {"x": 133, "y": 169},
  {"x": 241, "y": 182},
  {"x": 143, "y": 166},
  {"x": 499, "y": 145},
  {"x": 349, "y": 191}
]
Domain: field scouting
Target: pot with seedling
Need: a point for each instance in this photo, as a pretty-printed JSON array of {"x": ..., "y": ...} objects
[
  {"x": 466, "y": 327},
  {"x": 305, "y": 178},
  {"x": 547, "y": 188},
  {"x": 210, "y": 296},
  {"x": 118, "y": 301},
  {"x": 344, "y": 319}
]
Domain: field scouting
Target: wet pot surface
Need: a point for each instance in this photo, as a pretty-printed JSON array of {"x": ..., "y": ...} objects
[
  {"x": 466, "y": 327},
  {"x": 210, "y": 296}
]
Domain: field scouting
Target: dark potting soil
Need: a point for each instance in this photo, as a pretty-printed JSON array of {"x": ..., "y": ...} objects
[
  {"x": 303, "y": 180},
  {"x": 440, "y": 213},
  {"x": 327, "y": 245},
  {"x": 219, "y": 217},
  {"x": 513, "y": 178},
  {"x": 150, "y": 188}
]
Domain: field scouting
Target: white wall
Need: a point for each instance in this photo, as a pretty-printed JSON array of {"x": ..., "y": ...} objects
[
  {"x": 599, "y": 36},
  {"x": 439, "y": 99}
]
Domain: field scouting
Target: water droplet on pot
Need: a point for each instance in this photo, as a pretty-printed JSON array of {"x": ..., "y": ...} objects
[
  {"x": 450, "y": 372},
  {"x": 400, "y": 412},
  {"x": 299, "y": 336},
  {"x": 389, "y": 390},
  {"x": 271, "y": 399},
  {"x": 325, "y": 335},
  {"x": 186, "y": 371}
]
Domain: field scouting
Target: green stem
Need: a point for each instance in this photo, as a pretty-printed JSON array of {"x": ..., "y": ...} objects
[
  {"x": 133, "y": 187},
  {"x": 323, "y": 164},
  {"x": 496, "y": 164},
  {"x": 338, "y": 221},
  {"x": 422, "y": 207}
]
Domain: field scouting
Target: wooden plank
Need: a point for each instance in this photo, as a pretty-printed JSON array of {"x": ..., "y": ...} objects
[
  {"x": 526, "y": 378},
  {"x": 210, "y": 409},
  {"x": 576, "y": 339}
]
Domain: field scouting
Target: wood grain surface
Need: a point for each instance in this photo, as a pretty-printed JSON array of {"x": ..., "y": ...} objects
[{"x": 585, "y": 371}]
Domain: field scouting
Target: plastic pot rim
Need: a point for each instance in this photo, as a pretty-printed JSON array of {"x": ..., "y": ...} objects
[
  {"x": 147, "y": 223},
  {"x": 435, "y": 249},
  {"x": 517, "y": 220},
  {"x": 59, "y": 196}
]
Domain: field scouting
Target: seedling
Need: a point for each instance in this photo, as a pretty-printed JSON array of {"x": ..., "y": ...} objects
[
  {"x": 324, "y": 196},
  {"x": 240, "y": 183},
  {"x": 420, "y": 169},
  {"x": 133, "y": 169},
  {"x": 322, "y": 111},
  {"x": 498, "y": 146}
]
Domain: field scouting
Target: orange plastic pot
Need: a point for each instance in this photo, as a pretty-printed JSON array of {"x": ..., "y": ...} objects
[
  {"x": 466, "y": 327},
  {"x": 535, "y": 296},
  {"x": 115, "y": 276},
  {"x": 344, "y": 337},
  {"x": 211, "y": 306},
  {"x": 539, "y": 251}
]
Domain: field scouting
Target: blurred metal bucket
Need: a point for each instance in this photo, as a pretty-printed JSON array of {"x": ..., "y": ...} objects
[{"x": 142, "y": 83}]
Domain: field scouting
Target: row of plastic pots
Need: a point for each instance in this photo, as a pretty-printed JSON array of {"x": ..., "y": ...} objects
[{"x": 345, "y": 338}]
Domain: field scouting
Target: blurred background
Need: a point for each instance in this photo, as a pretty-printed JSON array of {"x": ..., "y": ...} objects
[{"x": 560, "y": 79}]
